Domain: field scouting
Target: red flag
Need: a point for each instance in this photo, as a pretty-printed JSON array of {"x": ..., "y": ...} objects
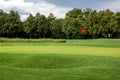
[{"x": 83, "y": 31}]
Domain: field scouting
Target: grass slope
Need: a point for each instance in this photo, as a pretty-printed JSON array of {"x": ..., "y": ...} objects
[
  {"x": 73, "y": 60},
  {"x": 58, "y": 67}
]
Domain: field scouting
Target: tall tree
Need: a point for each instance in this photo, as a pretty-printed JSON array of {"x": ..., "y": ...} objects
[
  {"x": 73, "y": 23},
  {"x": 2, "y": 20},
  {"x": 28, "y": 26},
  {"x": 115, "y": 25},
  {"x": 55, "y": 26},
  {"x": 13, "y": 25},
  {"x": 42, "y": 25}
]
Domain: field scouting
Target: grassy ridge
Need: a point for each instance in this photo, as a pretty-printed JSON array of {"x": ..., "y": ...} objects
[
  {"x": 58, "y": 67},
  {"x": 57, "y": 61}
]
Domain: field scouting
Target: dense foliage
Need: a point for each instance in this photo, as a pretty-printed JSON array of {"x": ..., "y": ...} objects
[{"x": 77, "y": 24}]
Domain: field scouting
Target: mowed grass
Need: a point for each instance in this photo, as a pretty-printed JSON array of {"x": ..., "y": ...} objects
[{"x": 74, "y": 60}]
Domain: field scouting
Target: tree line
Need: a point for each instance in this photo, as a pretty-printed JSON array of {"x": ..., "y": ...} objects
[{"x": 96, "y": 24}]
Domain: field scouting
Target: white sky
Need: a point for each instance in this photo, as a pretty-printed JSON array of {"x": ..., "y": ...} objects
[{"x": 45, "y": 7}]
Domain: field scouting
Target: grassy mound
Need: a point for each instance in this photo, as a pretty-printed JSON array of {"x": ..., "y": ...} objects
[{"x": 58, "y": 67}]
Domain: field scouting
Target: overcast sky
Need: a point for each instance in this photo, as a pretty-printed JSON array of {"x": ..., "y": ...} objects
[{"x": 57, "y": 7}]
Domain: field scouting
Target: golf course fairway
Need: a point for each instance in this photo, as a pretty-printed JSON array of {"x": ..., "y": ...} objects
[{"x": 97, "y": 59}]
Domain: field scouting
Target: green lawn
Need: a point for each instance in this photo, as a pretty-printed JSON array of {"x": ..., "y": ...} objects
[{"x": 74, "y": 60}]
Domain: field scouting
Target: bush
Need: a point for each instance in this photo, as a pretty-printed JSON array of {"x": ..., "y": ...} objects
[{"x": 32, "y": 40}]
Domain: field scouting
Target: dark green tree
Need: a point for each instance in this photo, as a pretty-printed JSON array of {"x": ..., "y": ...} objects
[
  {"x": 13, "y": 25},
  {"x": 2, "y": 21},
  {"x": 42, "y": 26},
  {"x": 29, "y": 25}
]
